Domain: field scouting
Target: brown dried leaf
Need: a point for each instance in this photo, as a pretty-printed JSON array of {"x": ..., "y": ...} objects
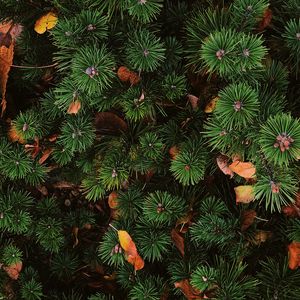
[
  {"x": 248, "y": 218},
  {"x": 112, "y": 200},
  {"x": 261, "y": 236},
  {"x": 108, "y": 122},
  {"x": 178, "y": 240},
  {"x": 294, "y": 255},
  {"x": 210, "y": 107},
  {"x": 45, "y": 155},
  {"x": 243, "y": 169},
  {"x": 189, "y": 292},
  {"x": 266, "y": 20},
  {"x": 6, "y": 60},
  {"x": 194, "y": 101},
  {"x": 63, "y": 185},
  {"x": 222, "y": 161},
  {"x": 75, "y": 233}
]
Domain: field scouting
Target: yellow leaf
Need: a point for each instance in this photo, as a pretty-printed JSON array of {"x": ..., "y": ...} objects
[
  {"x": 244, "y": 193},
  {"x": 243, "y": 169},
  {"x": 125, "y": 239},
  {"x": 210, "y": 107},
  {"x": 45, "y": 22}
]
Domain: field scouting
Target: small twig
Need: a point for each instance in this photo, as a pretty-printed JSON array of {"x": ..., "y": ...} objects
[
  {"x": 113, "y": 227},
  {"x": 261, "y": 219},
  {"x": 35, "y": 67}
]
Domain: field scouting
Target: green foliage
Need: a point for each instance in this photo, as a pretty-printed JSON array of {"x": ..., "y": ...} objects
[
  {"x": 32, "y": 290},
  {"x": 11, "y": 255},
  {"x": 144, "y": 51},
  {"x": 237, "y": 106},
  {"x": 144, "y": 10},
  {"x": 280, "y": 139},
  {"x": 162, "y": 207}
]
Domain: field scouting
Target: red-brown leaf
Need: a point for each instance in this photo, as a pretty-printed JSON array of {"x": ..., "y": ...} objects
[
  {"x": 189, "y": 292},
  {"x": 13, "y": 271},
  {"x": 294, "y": 255},
  {"x": 108, "y": 122},
  {"x": 178, "y": 240},
  {"x": 248, "y": 218},
  {"x": 266, "y": 20},
  {"x": 222, "y": 161}
]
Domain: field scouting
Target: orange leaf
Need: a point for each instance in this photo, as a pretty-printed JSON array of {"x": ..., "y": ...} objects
[
  {"x": 74, "y": 107},
  {"x": 248, "y": 217},
  {"x": 6, "y": 60},
  {"x": 45, "y": 22},
  {"x": 293, "y": 210},
  {"x": 266, "y": 20},
  {"x": 222, "y": 161},
  {"x": 178, "y": 240},
  {"x": 123, "y": 73},
  {"x": 244, "y": 193},
  {"x": 129, "y": 247},
  {"x": 294, "y": 255},
  {"x": 189, "y": 292},
  {"x": 243, "y": 169},
  {"x": 173, "y": 151},
  {"x": 13, "y": 271},
  {"x": 45, "y": 155},
  {"x": 210, "y": 107},
  {"x": 134, "y": 78},
  {"x": 112, "y": 200},
  {"x": 14, "y": 136}
]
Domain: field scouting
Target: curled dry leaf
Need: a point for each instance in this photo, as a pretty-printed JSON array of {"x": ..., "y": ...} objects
[
  {"x": 266, "y": 20},
  {"x": 173, "y": 151},
  {"x": 129, "y": 247},
  {"x": 261, "y": 236},
  {"x": 125, "y": 75},
  {"x": 248, "y": 217},
  {"x": 74, "y": 107},
  {"x": 112, "y": 200},
  {"x": 178, "y": 240},
  {"x": 75, "y": 234},
  {"x": 108, "y": 122},
  {"x": 293, "y": 210},
  {"x": 222, "y": 161},
  {"x": 194, "y": 101},
  {"x": 45, "y": 22},
  {"x": 294, "y": 255},
  {"x": 46, "y": 154},
  {"x": 189, "y": 292},
  {"x": 184, "y": 223},
  {"x": 210, "y": 107},
  {"x": 13, "y": 271},
  {"x": 243, "y": 169},
  {"x": 244, "y": 193},
  {"x": 15, "y": 136}
]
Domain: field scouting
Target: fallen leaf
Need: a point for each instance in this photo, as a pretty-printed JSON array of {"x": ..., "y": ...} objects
[
  {"x": 129, "y": 247},
  {"x": 194, "y": 101},
  {"x": 248, "y": 217},
  {"x": 244, "y": 193},
  {"x": 243, "y": 169},
  {"x": 112, "y": 200},
  {"x": 74, "y": 107},
  {"x": 9, "y": 33},
  {"x": 46, "y": 154},
  {"x": 293, "y": 210},
  {"x": 184, "y": 223},
  {"x": 6, "y": 60},
  {"x": 43, "y": 190},
  {"x": 189, "y": 292},
  {"x": 123, "y": 73},
  {"x": 63, "y": 185},
  {"x": 45, "y": 22},
  {"x": 108, "y": 122},
  {"x": 210, "y": 107},
  {"x": 75, "y": 233},
  {"x": 261, "y": 236},
  {"x": 178, "y": 240},
  {"x": 15, "y": 136},
  {"x": 134, "y": 78},
  {"x": 13, "y": 271},
  {"x": 173, "y": 151},
  {"x": 266, "y": 20},
  {"x": 222, "y": 161},
  {"x": 294, "y": 255}
]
